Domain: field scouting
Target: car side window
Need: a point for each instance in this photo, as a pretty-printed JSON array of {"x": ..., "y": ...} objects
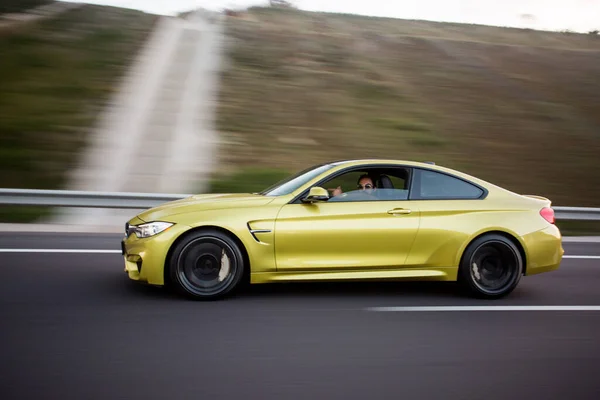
[
  {"x": 434, "y": 185},
  {"x": 374, "y": 195},
  {"x": 389, "y": 184}
]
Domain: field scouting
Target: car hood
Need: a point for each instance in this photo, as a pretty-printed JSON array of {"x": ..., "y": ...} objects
[{"x": 203, "y": 202}]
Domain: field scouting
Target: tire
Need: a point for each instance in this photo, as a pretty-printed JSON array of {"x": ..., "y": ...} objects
[
  {"x": 491, "y": 267},
  {"x": 206, "y": 265}
]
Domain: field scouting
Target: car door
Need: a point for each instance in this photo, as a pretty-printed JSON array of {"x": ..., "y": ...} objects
[{"x": 345, "y": 235}]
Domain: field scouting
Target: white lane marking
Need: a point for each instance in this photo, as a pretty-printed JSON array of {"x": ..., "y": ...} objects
[
  {"x": 85, "y": 251},
  {"x": 485, "y": 308},
  {"x": 584, "y": 257}
]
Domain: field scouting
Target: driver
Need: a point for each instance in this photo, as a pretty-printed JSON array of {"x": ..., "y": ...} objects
[{"x": 365, "y": 183}]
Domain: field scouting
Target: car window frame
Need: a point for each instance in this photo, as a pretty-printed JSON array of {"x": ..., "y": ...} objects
[
  {"x": 414, "y": 193},
  {"x": 298, "y": 198},
  {"x": 268, "y": 191}
]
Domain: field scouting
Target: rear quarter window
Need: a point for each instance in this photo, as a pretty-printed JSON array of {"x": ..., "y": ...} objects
[{"x": 436, "y": 185}]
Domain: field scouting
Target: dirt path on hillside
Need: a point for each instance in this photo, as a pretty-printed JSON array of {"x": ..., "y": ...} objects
[{"x": 158, "y": 134}]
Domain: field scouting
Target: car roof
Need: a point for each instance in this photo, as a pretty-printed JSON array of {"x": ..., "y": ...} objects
[
  {"x": 367, "y": 161},
  {"x": 382, "y": 162},
  {"x": 422, "y": 164}
]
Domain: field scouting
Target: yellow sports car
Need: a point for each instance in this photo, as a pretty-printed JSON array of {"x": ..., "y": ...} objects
[{"x": 348, "y": 220}]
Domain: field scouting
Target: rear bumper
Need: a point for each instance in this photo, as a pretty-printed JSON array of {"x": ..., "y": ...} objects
[{"x": 543, "y": 250}]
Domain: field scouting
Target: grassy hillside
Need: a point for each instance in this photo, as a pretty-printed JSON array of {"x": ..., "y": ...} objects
[
  {"x": 55, "y": 77},
  {"x": 519, "y": 108}
]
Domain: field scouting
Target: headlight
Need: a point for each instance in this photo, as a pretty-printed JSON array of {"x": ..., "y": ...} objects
[{"x": 150, "y": 229}]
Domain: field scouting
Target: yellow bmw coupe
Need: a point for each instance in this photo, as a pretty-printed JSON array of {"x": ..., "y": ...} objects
[{"x": 348, "y": 220}]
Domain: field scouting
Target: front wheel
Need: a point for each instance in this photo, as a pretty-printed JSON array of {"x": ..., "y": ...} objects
[
  {"x": 206, "y": 265},
  {"x": 491, "y": 267}
]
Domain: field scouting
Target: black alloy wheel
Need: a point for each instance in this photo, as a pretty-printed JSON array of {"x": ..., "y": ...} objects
[
  {"x": 206, "y": 265},
  {"x": 491, "y": 267}
]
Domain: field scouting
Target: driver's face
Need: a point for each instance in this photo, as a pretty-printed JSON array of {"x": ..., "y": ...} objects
[{"x": 365, "y": 184}]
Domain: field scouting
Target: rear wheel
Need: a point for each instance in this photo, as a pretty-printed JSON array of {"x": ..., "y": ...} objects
[
  {"x": 491, "y": 267},
  {"x": 206, "y": 265}
]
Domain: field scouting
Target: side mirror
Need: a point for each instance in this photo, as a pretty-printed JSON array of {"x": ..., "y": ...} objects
[{"x": 316, "y": 194}]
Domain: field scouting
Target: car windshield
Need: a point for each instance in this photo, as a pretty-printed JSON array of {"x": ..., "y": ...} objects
[{"x": 288, "y": 185}]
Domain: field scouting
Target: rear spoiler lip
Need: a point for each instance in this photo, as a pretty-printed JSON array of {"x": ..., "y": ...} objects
[
  {"x": 543, "y": 199},
  {"x": 534, "y": 196}
]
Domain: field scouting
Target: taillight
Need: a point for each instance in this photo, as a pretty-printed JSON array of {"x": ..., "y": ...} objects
[{"x": 548, "y": 214}]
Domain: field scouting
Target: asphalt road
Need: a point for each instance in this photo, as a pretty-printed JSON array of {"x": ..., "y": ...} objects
[{"x": 73, "y": 326}]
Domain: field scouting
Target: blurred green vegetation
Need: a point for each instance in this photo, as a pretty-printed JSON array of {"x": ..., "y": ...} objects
[
  {"x": 14, "y": 6},
  {"x": 250, "y": 180},
  {"x": 55, "y": 78},
  {"x": 23, "y": 214},
  {"x": 579, "y": 228}
]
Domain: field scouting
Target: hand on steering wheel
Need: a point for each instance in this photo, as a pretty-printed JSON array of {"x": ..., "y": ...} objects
[{"x": 335, "y": 192}]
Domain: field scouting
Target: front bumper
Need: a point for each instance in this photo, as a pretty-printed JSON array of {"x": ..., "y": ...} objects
[{"x": 145, "y": 258}]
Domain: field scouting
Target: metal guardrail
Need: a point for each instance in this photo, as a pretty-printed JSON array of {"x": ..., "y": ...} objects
[
  {"x": 577, "y": 213},
  {"x": 125, "y": 200},
  {"x": 73, "y": 198}
]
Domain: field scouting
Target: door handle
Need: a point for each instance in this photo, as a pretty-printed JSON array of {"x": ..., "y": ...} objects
[{"x": 398, "y": 211}]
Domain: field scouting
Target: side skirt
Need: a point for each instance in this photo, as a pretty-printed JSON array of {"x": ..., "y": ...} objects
[{"x": 407, "y": 274}]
